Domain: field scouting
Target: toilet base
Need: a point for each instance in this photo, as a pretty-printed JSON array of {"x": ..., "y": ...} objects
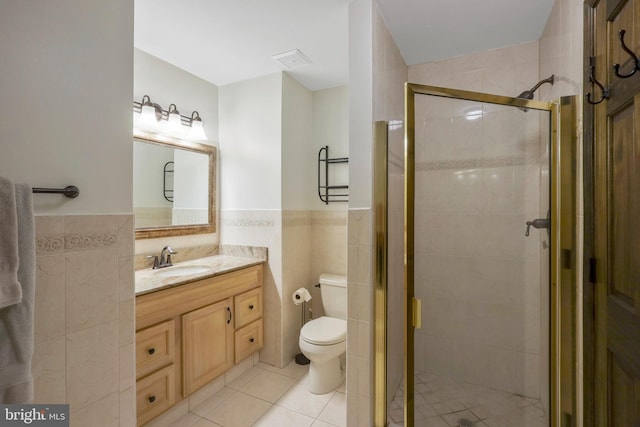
[
  {"x": 301, "y": 359},
  {"x": 325, "y": 376}
]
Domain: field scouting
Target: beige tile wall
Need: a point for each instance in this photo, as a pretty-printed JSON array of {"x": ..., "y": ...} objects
[
  {"x": 506, "y": 71},
  {"x": 262, "y": 228},
  {"x": 84, "y": 317},
  {"x": 301, "y": 245},
  {"x": 296, "y": 267},
  {"x": 359, "y": 318},
  {"x": 328, "y": 250}
]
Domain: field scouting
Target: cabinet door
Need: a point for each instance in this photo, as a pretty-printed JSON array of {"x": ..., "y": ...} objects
[{"x": 207, "y": 344}]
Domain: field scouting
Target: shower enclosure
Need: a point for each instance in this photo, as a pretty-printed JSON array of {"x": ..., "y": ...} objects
[{"x": 483, "y": 254}]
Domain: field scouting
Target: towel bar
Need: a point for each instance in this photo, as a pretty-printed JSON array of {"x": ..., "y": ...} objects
[{"x": 71, "y": 191}]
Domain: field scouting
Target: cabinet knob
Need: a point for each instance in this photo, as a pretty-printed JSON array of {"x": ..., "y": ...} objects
[
  {"x": 152, "y": 399},
  {"x": 251, "y": 339},
  {"x": 151, "y": 350},
  {"x": 251, "y": 307}
]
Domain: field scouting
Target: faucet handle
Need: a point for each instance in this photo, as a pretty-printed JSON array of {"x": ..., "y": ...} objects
[{"x": 155, "y": 261}]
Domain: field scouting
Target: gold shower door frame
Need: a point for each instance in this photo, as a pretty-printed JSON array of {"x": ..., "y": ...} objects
[{"x": 563, "y": 381}]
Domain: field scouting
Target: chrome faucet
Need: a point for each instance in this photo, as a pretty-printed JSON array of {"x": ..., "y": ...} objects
[
  {"x": 165, "y": 261},
  {"x": 165, "y": 258}
]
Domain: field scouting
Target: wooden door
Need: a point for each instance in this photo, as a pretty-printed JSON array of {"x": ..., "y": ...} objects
[
  {"x": 617, "y": 219},
  {"x": 207, "y": 344}
]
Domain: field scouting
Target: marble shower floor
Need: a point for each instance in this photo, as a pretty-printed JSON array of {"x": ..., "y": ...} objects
[{"x": 441, "y": 402}]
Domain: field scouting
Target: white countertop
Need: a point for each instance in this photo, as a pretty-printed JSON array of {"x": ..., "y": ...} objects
[{"x": 149, "y": 280}]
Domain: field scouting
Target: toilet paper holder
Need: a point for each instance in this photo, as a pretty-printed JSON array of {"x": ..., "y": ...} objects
[{"x": 300, "y": 297}]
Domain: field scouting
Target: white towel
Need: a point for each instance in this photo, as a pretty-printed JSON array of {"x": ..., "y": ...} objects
[
  {"x": 10, "y": 291},
  {"x": 16, "y": 321}
]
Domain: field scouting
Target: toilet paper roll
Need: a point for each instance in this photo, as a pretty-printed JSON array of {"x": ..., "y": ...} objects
[{"x": 300, "y": 295}]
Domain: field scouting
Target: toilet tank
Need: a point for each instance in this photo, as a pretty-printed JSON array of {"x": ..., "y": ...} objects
[{"x": 333, "y": 291}]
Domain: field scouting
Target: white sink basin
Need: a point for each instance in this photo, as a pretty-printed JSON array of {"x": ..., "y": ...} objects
[{"x": 181, "y": 270}]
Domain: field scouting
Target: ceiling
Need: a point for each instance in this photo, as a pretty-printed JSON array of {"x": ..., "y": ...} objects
[{"x": 225, "y": 41}]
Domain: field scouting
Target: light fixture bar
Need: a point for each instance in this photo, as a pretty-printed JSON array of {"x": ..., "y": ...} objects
[{"x": 194, "y": 126}]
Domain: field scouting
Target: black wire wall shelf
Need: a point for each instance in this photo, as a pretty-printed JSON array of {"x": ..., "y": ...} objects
[
  {"x": 330, "y": 193},
  {"x": 167, "y": 181}
]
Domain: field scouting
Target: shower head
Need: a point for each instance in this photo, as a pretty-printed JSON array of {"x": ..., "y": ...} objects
[{"x": 528, "y": 94}]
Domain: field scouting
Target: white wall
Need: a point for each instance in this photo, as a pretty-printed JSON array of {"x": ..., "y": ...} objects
[
  {"x": 66, "y": 101},
  {"x": 360, "y": 103},
  {"x": 66, "y": 84},
  {"x": 167, "y": 84},
  {"x": 298, "y": 177},
  {"x": 250, "y": 135},
  {"x": 330, "y": 127}
]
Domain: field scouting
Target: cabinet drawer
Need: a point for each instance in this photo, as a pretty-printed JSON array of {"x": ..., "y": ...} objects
[
  {"x": 155, "y": 347},
  {"x": 248, "y": 307},
  {"x": 248, "y": 340},
  {"x": 155, "y": 393}
]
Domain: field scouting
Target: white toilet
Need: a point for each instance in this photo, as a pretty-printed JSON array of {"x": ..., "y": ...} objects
[{"x": 324, "y": 340}]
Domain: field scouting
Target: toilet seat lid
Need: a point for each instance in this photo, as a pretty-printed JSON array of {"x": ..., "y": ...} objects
[{"x": 324, "y": 331}]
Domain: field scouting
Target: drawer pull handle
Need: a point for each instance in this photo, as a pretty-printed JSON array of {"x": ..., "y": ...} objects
[
  {"x": 151, "y": 350},
  {"x": 251, "y": 307},
  {"x": 152, "y": 399},
  {"x": 251, "y": 339},
  {"x": 229, "y": 312}
]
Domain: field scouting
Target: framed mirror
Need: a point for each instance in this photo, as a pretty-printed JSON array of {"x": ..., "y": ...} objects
[{"x": 174, "y": 184}]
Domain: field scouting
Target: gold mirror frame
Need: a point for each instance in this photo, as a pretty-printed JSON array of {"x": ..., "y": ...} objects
[{"x": 183, "y": 230}]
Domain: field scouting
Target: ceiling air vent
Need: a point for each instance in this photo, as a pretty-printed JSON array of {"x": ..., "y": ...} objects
[{"x": 292, "y": 58}]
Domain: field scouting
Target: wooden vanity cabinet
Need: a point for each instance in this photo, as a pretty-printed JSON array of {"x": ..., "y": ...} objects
[
  {"x": 207, "y": 343},
  {"x": 190, "y": 334}
]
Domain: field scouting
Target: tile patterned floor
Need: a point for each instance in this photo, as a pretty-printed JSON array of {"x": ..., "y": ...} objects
[
  {"x": 441, "y": 402},
  {"x": 266, "y": 396}
]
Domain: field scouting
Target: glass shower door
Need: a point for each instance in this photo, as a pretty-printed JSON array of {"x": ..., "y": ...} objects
[{"x": 478, "y": 207}]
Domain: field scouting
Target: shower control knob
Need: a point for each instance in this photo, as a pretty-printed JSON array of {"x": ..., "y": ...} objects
[{"x": 537, "y": 223}]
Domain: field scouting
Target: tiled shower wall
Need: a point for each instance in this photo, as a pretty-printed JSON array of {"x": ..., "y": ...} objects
[
  {"x": 504, "y": 71},
  {"x": 478, "y": 275},
  {"x": 84, "y": 317}
]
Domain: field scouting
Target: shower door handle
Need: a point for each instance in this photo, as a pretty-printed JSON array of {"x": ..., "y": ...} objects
[{"x": 537, "y": 223}]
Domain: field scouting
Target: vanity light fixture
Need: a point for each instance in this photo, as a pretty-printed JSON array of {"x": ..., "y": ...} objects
[
  {"x": 197, "y": 127},
  {"x": 150, "y": 113},
  {"x": 151, "y": 117},
  {"x": 174, "y": 123}
]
